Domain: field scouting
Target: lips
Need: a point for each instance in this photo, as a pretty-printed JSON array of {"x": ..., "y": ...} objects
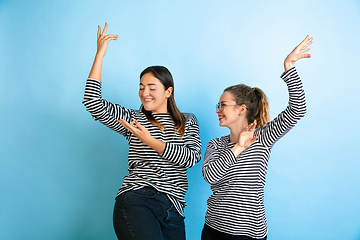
[
  {"x": 221, "y": 117},
  {"x": 147, "y": 100}
]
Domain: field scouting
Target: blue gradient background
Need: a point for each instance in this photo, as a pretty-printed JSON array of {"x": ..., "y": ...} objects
[{"x": 60, "y": 170}]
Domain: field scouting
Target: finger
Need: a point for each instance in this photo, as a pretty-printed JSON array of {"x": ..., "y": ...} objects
[
  {"x": 253, "y": 140},
  {"x": 307, "y": 44},
  {"x": 305, "y": 56},
  {"x": 250, "y": 141},
  {"x": 126, "y": 124},
  {"x": 138, "y": 125},
  {"x": 303, "y": 41},
  {"x": 133, "y": 123},
  {"x": 305, "y": 50},
  {"x": 105, "y": 29},
  {"x": 253, "y": 125},
  {"x": 111, "y": 36},
  {"x": 98, "y": 32}
]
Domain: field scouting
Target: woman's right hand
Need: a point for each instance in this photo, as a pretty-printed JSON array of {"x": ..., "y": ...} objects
[
  {"x": 246, "y": 138},
  {"x": 103, "y": 40}
]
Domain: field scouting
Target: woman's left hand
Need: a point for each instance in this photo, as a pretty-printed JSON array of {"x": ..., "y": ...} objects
[
  {"x": 298, "y": 53},
  {"x": 143, "y": 135},
  {"x": 137, "y": 129}
]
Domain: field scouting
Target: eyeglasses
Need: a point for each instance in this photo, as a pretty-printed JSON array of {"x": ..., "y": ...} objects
[{"x": 221, "y": 106}]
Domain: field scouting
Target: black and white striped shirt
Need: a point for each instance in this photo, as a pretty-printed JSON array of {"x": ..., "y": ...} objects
[
  {"x": 237, "y": 204},
  {"x": 165, "y": 172}
]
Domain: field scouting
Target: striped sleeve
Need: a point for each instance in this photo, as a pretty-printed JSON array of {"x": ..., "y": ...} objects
[
  {"x": 188, "y": 153},
  {"x": 105, "y": 111},
  {"x": 271, "y": 132},
  {"x": 217, "y": 162}
]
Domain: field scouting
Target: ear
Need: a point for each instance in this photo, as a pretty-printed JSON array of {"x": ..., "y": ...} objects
[
  {"x": 169, "y": 92},
  {"x": 242, "y": 109}
]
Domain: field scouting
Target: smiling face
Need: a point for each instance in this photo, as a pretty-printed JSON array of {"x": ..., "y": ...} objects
[
  {"x": 231, "y": 114},
  {"x": 228, "y": 114},
  {"x": 152, "y": 94}
]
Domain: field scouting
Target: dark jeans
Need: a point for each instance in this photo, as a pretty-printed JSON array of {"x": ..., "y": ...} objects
[
  {"x": 147, "y": 214},
  {"x": 209, "y": 233}
]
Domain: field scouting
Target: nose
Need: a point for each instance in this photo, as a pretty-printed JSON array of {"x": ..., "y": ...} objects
[
  {"x": 146, "y": 92},
  {"x": 218, "y": 110}
]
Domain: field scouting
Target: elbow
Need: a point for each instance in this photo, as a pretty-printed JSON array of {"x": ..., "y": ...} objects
[
  {"x": 192, "y": 161},
  {"x": 207, "y": 177},
  {"x": 302, "y": 111}
]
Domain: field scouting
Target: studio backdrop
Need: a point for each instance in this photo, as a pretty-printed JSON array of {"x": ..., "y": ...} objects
[{"x": 60, "y": 170}]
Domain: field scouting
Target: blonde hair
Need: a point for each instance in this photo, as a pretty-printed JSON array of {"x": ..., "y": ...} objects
[{"x": 255, "y": 101}]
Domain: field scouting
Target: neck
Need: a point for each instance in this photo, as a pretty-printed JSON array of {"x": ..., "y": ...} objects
[{"x": 236, "y": 130}]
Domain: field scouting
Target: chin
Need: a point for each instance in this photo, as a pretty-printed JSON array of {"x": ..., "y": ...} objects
[{"x": 147, "y": 108}]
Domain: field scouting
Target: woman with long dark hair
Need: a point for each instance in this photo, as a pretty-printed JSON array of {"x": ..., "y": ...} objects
[
  {"x": 235, "y": 165},
  {"x": 163, "y": 144}
]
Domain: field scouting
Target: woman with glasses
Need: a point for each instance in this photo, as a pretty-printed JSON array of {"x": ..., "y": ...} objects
[
  {"x": 163, "y": 144},
  {"x": 235, "y": 165}
]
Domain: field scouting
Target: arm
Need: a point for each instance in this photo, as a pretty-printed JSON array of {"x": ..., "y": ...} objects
[
  {"x": 296, "y": 109},
  {"x": 144, "y": 135},
  {"x": 186, "y": 155},
  {"x": 105, "y": 111},
  {"x": 102, "y": 110},
  {"x": 217, "y": 161},
  {"x": 102, "y": 42}
]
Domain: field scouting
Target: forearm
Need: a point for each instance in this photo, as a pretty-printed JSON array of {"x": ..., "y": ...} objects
[
  {"x": 217, "y": 163},
  {"x": 183, "y": 155},
  {"x": 155, "y": 144},
  {"x": 95, "y": 72}
]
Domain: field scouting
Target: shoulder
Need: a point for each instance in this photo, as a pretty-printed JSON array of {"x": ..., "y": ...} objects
[
  {"x": 219, "y": 142},
  {"x": 190, "y": 119}
]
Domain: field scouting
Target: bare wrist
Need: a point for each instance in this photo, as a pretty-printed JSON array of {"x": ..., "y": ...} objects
[{"x": 288, "y": 65}]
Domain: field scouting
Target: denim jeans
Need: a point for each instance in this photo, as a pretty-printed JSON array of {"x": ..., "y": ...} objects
[
  {"x": 209, "y": 233},
  {"x": 146, "y": 214}
]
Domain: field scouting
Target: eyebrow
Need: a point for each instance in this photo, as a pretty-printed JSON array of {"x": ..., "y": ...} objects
[{"x": 150, "y": 84}]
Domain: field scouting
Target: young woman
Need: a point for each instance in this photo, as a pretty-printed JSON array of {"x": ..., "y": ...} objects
[
  {"x": 163, "y": 144},
  {"x": 236, "y": 165}
]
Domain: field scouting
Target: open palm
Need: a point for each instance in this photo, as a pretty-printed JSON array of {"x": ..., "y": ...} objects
[{"x": 298, "y": 53}]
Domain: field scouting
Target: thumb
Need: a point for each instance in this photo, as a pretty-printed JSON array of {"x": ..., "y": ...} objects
[
  {"x": 250, "y": 141},
  {"x": 138, "y": 125},
  {"x": 305, "y": 55}
]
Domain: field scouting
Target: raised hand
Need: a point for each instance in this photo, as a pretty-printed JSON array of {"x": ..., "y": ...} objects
[
  {"x": 298, "y": 53},
  {"x": 103, "y": 40},
  {"x": 246, "y": 138}
]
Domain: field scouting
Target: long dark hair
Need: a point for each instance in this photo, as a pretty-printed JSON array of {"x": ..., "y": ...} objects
[
  {"x": 255, "y": 101},
  {"x": 166, "y": 79}
]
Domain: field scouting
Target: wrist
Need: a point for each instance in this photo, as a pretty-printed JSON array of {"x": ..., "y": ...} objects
[
  {"x": 288, "y": 65},
  {"x": 237, "y": 149},
  {"x": 99, "y": 55}
]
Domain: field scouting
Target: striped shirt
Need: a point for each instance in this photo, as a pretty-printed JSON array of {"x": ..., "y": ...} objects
[
  {"x": 236, "y": 206},
  {"x": 165, "y": 172}
]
